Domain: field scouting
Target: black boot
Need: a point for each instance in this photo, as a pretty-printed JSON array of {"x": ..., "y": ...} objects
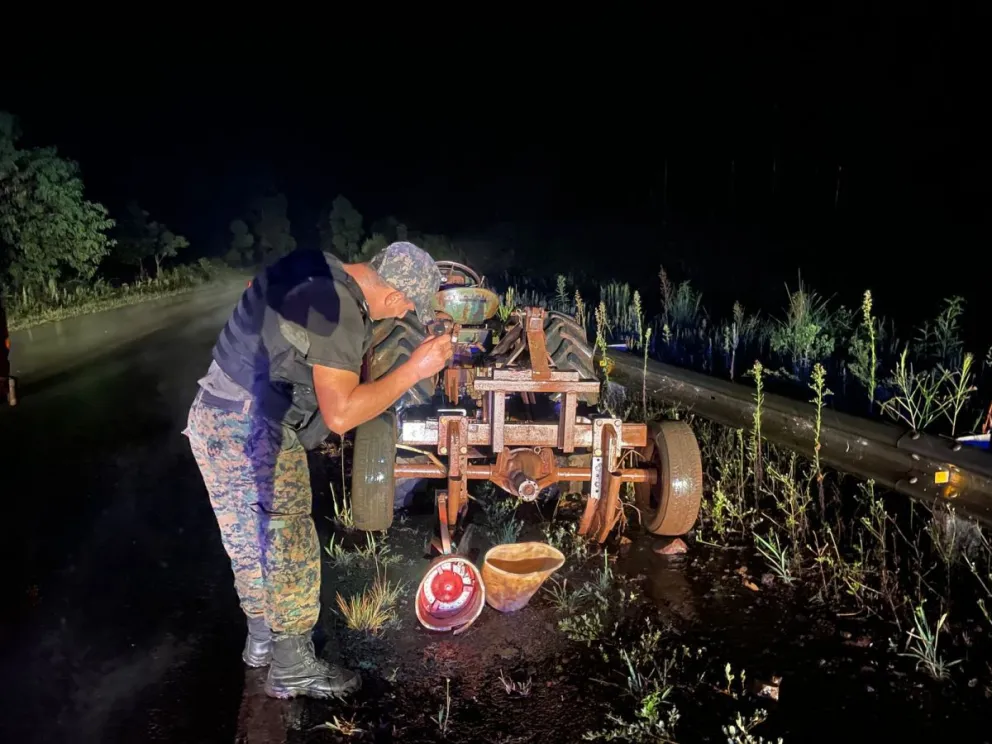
[
  {"x": 258, "y": 646},
  {"x": 296, "y": 670}
]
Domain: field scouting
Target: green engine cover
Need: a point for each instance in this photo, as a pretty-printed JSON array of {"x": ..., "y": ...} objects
[{"x": 467, "y": 305}]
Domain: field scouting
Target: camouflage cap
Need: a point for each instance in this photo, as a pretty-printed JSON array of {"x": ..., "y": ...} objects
[{"x": 413, "y": 272}]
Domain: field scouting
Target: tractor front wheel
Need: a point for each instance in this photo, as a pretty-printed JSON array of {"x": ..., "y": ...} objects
[
  {"x": 670, "y": 506},
  {"x": 372, "y": 483}
]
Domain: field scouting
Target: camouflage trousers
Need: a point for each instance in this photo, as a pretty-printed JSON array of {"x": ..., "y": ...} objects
[{"x": 257, "y": 478}]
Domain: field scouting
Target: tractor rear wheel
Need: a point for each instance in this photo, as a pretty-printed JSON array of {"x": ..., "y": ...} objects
[
  {"x": 570, "y": 351},
  {"x": 393, "y": 343},
  {"x": 373, "y": 486}
]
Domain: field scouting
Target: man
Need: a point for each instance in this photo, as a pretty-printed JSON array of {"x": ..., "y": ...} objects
[{"x": 285, "y": 373}]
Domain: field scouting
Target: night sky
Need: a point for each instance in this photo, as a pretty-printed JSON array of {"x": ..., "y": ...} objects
[{"x": 559, "y": 143}]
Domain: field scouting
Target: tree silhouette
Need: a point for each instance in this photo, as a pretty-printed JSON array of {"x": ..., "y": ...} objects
[
  {"x": 341, "y": 230},
  {"x": 167, "y": 245},
  {"x": 371, "y": 246},
  {"x": 270, "y": 226},
  {"x": 140, "y": 239},
  {"x": 242, "y": 245},
  {"x": 390, "y": 228}
]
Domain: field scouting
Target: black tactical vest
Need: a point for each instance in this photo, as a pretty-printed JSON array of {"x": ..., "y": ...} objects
[{"x": 263, "y": 346}]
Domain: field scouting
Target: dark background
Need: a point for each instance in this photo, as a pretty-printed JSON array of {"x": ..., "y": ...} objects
[{"x": 555, "y": 141}]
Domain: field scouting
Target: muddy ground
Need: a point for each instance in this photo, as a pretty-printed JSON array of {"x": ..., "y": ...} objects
[
  {"x": 121, "y": 624},
  {"x": 839, "y": 678}
]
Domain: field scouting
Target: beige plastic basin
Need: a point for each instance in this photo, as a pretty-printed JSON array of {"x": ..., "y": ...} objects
[{"x": 513, "y": 573}]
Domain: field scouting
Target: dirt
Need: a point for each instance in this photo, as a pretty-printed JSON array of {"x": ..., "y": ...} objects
[
  {"x": 406, "y": 667},
  {"x": 818, "y": 675}
]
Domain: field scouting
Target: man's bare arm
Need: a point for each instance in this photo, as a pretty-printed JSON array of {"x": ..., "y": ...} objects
[{"x": 345, "y": 404}]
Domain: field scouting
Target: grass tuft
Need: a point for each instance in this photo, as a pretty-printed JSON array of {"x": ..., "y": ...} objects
[
  {"x": 373, "y": 608},
  {"x": 922, "y": 645}
]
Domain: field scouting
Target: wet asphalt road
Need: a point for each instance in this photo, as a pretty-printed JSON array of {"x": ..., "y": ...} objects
[{"x": 121, "y": 620}]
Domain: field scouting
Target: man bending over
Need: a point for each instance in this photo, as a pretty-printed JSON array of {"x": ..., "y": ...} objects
[{"x": 285, "y": 373}]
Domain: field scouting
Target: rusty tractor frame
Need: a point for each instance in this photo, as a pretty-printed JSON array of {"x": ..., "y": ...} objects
[{"x": 475, "y": 439}]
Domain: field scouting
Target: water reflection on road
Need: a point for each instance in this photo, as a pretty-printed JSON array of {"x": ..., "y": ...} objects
[{"x": 121, "y": 622}]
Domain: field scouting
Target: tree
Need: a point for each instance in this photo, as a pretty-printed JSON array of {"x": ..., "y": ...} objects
[
  {"x": 242, "y": 244},
  {"x": 168, "y": 245},
  {"x": 139, "y": 239},
  {"x": 271, "y": 228},
  {"x": 133, "y": 241},
  {"x": 372, "y": 246},
  {"x": 391, "y": 228},
  {"x": 344, "y": 227},
  {"x": 440, "y": 248},
  {"x": 48, "y": 230}
]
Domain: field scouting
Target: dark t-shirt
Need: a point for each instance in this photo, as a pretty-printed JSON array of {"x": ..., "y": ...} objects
[
  {"x": 301, "y": 311},
  {"x": 333, "y": 321}
]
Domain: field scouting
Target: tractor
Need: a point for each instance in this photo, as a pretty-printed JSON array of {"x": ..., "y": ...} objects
[{"x": 517, "y": 406}]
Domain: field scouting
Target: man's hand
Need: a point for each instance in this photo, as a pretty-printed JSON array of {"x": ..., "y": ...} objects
[{"x": 432, "y": 355}]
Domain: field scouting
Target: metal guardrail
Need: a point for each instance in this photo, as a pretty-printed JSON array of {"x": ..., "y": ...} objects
[{"x": 924, "y": 467}]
